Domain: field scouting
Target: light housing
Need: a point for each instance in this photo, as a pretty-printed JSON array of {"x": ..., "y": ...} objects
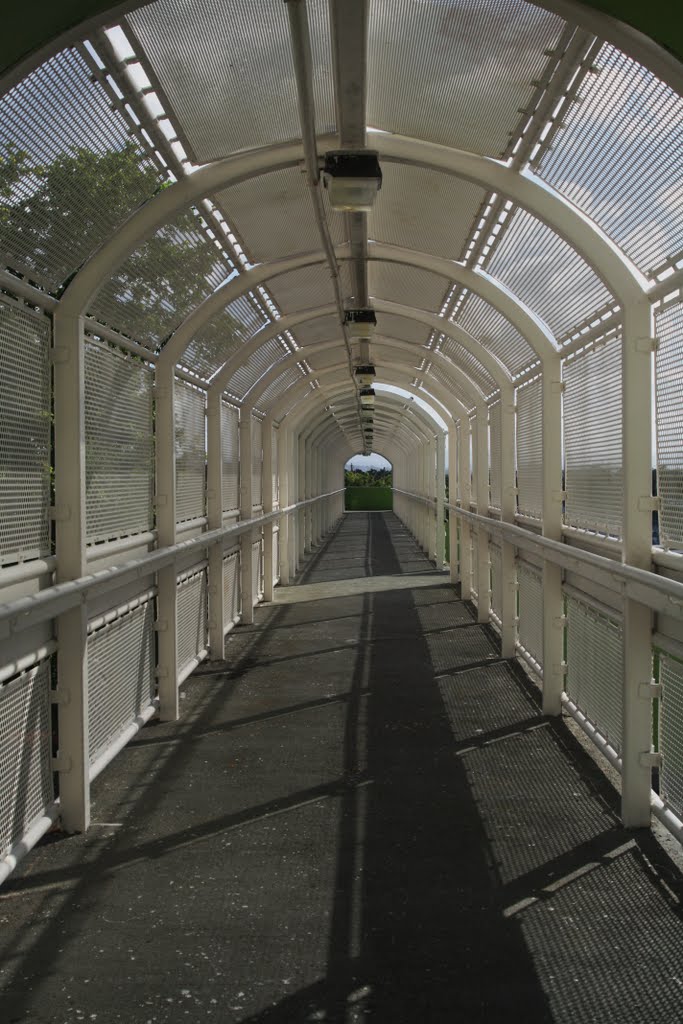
[
  {"x": 352, "y": 179},
  {"x": 360, "y": 323},
  {"x": 365, "y": 375},
  {"x": 367, "y": 398}
]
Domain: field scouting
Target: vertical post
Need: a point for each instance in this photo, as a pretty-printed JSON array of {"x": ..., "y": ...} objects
[
  {"x": 301, "y": 495},
  {"x": 636, "y": 773},
  {"x": 507, "y": 512},
  {"x": 440, "y": 546},
  {"x": 267, "y": 489},
  {"x": 167, "y": 589},
  {"x": 464, "y": 495},
  {"x": 483, "y": 581},
  {"x": 308, "y": 484},
  {"x": 452, "y": 495},
  {"x": 246, "y": 512},
  {"x": 73, "y": 760},
  {"x": 283, "y": 470},
  {"x": 553, "y": 615},
  {"x": 214, "y": 466},
  {"x": 294, "y": 524}
]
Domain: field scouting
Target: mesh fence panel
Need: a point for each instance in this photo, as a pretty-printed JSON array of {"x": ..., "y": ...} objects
[
  {"x": 256, "y": 462},
  {"x": 274, "y": 466},
  {"x": 119, "y": 455},
  {"x": 495, "y": 453},
  {"x": 669, "y": 397},
  {"x": 495, "y": 333},
  {"x": 230, "y": 445},
  {"x": 592, "y": 439},
  {"x": 496, "y": 580},
  {"x": 190, "y": 457},
  {"x": 192, "y": 618},
  {"x": 257, "y": 567},
  {"x": 121, "y": 679},
  {"x": 530, "y": 449},
  {"x": 473, "y": 461},
  {"x": 671, "y": 732},
  {"x": 74, "y": 172},
  {"x": 276, "y": 554},
  {"x": 595, "y": 667},
  {"x": 25, "y": 748},
  {"x": 231, "y": 587},
  {"x": 24, "y": 435},
  {"x": 530, "y": 610}
]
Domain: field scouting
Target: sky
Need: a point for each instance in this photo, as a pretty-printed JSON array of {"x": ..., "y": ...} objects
[{"x": 372, "y": 461}]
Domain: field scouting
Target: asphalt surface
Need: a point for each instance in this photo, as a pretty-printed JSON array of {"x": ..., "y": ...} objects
[{"x": 361, "y": 816}]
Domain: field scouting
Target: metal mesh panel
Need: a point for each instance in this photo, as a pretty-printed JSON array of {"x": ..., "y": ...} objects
[
  {"x": 192, "y": 618},
  {"x": 221, "y": 337},
  {"x": 468, "y": 362},
  {"x": 409, "y": 285},
  {"x": 230, "y": 447},
  {"x": 231, "y": 587},
  {"x": 592, "y": 440},
  {"x": 324, "y": 328},
  {"x": 302, "y": 289},
  {"x": 669, "y": 391},
  {"x": 530, "y": 449},
  {"x": 204, "y": 55},
  {"x": 545, "y": 272},
  {"x": 24, "y": 434},
  {"x": 278, "y": 387},
  {"x": 190, "y": 451},
  {"x": 25, "y": 750},
  {"x": 73, "y": 171},
  {"x": 274, "y": 215},
  {"x": 530, "y": 610},
  {"x": 671, "y": 732},
  {"x": 256, "y": 462},
  {"x": 617, "y": 157},
  {"x": 121, "y": 676},
  {"x": 595, "y": 667},
  {"x": 258, "y": 363},
  {"x": 411, "y": 213},
  {"x": 163, "y": 280},
  {"x": 495, "y": 333},
  {"x": 439, "y": 374},
  {"x": 473, "y": 460},
  {"x": 274, "y": 462},
  {"x": 431, "y": 65},
  {"x": 496, "y": 579},
  {"x": 392, "y": 326},
  {"x": 119, "y": 453},
  {"x": 495, "y": 454}
]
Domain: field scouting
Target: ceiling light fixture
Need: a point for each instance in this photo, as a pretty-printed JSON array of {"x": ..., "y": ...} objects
[{"x": 352, "y": 179}]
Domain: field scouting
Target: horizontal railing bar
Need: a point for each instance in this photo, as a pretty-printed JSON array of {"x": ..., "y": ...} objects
[{"x": 18, "y": 615}]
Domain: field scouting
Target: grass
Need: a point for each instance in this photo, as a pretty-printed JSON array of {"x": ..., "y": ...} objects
[{"x": 369, "y": 499}]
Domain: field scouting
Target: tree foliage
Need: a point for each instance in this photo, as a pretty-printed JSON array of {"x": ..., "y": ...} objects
[{"x": 367, "y": 478}]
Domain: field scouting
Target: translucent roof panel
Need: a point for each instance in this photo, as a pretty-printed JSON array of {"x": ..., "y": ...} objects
[
  {"x": 162, "y": 281},
  {"x": 287, "y": 379},
  {"x": 618, "y": 157},
  {"x": 329, "y": 356},
  {"x": 302, "y": 289},
  {"x": 547, "y": 274},
  {"x": 448, "y": 381},
  {"x": 227, "y": 73},
  {"x": 402, "y": 328},
  {"x": 424, "y": 210},
  {"x": 274, "y": 215},
  {"x": 456, "y": 72},
  {"x": 408, "y": 285},
  {"x": 258, "y": 363},
  {"x": 496, "y": 333},
  {"x": 322, "y": 328},
  {"x": 467, "y": 362},
  {"x": 70, "y": 172}
]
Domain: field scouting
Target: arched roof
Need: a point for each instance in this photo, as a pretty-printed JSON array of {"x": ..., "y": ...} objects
[{"x": 531, "y": 185}]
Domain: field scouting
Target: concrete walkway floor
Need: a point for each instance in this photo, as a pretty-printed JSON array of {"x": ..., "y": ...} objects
[{"x": 361, "y": 816}]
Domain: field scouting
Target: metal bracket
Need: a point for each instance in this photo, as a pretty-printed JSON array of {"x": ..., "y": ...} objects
[
  {"x": 557, "y": 387},
  {"x": 59, "y": 354},
  {"x": 559, "y": 621},
  {"x": 60, "y": 696},
  {"x": 650, "y": 691},
  {"x": 60, "y": 513},
  {"x": 61, "y": 763},
  {"x": 649, "y": 503},
  {"x": 560, "y": 670},
  {"x": 160, "y": 625},
  {"x": 646, "y": 344},
  {"x": 559, "y": 496},
  {"x": 649, "y": 759}
]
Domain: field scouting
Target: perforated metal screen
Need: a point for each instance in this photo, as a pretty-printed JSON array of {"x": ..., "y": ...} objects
[
  {"x": 595, "y": 667},
  {"x": 495, "y": 333},
  {"x": 671, "y": 731},
  {"x": 256, "y": 462},
  {"x": 530, "y": 584},
  {"x": 121, "y": 676},
  {"x": 190, "y": 450},
  {"x": 231, "y": 587},
  {"x": 530, "y": 449},
  {"x": 252, "y": 369},
  {"x": 25, "y": 453},
  {"x": 669, "y": 397},
  {"x": 230, "y": 441},
  {"x": 592, "y": 440},
  {"x": 495, "y": 559},
  {"x": 275, "y": 467},
  {"x": 257, "y": 567},
  {"x": 25, "y": 749},
  {"x": 119, "y": 454},
  {"x": 495, "y": 454},
  {"x": 192, "y": 617}
]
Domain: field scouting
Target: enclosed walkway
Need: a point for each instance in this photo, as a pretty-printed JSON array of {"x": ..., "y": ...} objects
[{"x": 361, "y": 815}]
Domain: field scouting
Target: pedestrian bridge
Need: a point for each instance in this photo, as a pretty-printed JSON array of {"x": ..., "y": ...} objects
[{"x": 242, "y": 243}]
